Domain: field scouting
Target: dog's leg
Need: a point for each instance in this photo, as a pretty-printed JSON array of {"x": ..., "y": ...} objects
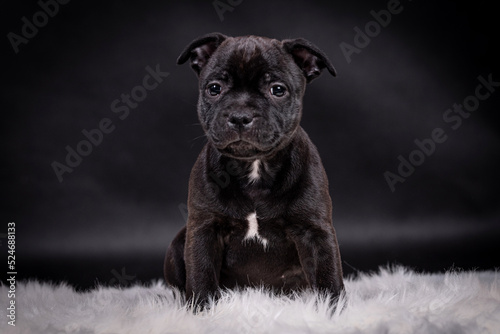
[
  {"x": 203, "y": 256},
  {"x": 320, "y": 260},
  {"x": 174, "y": 268}
]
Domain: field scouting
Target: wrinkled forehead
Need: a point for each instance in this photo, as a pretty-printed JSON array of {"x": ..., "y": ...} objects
[{"x": 250, "y": 58}]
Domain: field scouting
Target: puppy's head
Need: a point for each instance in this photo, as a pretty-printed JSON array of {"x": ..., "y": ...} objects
[{"x": 251, "y": 90}]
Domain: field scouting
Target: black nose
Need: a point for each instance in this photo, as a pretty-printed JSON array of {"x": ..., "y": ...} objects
[{"x": 240, "y": 121}]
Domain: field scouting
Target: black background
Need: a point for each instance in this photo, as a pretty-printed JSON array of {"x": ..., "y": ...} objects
[{"x": 112, "y": 218}]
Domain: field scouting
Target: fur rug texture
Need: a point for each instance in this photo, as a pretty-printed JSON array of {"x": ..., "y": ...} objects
[{"x": 393, "y": 300}]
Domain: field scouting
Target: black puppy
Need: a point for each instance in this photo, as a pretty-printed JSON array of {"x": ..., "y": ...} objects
[{"x": 259, "y": 211}]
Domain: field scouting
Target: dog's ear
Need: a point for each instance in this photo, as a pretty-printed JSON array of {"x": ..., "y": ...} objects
[
  {"x": 308, "y": 57},
  {"x": 200, "y": 50}
]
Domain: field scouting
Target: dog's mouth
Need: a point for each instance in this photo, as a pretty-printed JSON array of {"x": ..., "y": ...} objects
[{"x": 241, "y": 149}]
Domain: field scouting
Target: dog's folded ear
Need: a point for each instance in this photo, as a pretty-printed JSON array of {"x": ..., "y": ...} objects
[
  {"x": 200, "y": 50},
  {"x": 308, "y": 57}
]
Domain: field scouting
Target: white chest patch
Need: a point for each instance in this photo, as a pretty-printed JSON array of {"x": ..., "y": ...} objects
[
  {"x": 253, "y": 230},
  {"x": 254, "y": 171}
]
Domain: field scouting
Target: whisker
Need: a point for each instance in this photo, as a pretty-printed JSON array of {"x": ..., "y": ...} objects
[
  {"x": 192, "y": 141},
  {"x": 196, "y": 138}
]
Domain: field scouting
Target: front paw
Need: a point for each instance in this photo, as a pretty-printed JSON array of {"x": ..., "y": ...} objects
[
  {"x": 335, "y": 298},
  {"x": 198, "y": 303}
]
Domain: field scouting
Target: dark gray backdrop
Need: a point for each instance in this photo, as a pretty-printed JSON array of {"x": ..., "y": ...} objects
[{"x": 111, "y": 219}]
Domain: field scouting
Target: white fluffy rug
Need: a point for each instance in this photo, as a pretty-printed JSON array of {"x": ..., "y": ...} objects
[{"x": 390, "y": 301}]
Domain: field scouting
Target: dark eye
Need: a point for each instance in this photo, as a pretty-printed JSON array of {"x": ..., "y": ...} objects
[
  {"x": 214, "y": 89},
  {"x": 278, "y": 90}
]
